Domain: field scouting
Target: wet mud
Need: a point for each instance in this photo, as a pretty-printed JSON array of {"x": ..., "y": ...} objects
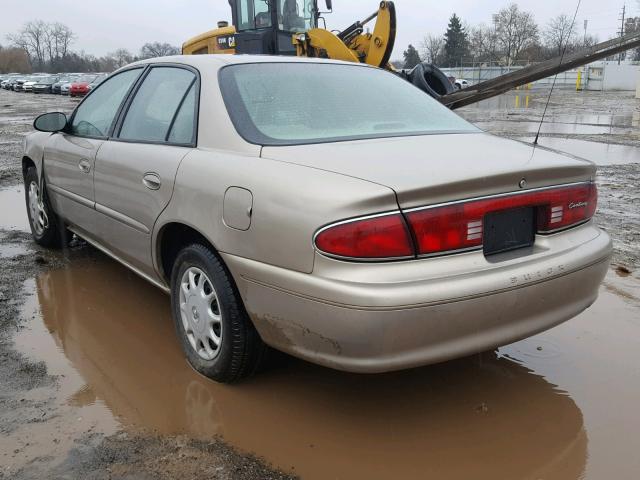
[
  {"x": 17, "y": 113},
  {"x": 534, "y": 409}
]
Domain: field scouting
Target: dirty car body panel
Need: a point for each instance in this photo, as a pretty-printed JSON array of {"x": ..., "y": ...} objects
[{"x": 260, "y": 189}]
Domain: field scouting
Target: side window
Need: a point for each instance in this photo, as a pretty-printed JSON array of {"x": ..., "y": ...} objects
[
  {"x": 94, "y": 116},
  {"x": 183, "y": 130},
  {"x": 149, "y": 116}
]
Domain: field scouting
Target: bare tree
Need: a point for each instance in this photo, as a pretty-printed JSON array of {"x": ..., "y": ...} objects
[
  {"x": 62, "y": 38},
  {"x": 32, "y": 39},
  {"x": 121, "y": 57},
  {"x": 432, "y": 47},
  {"x": 560, "y": 33},
  {"x": 157, "y": 49},
  {"x": 43, "y": 42},
  {"x": 14, "y": 59},
  {"x": 632, "y": 25},
  {"x": 516, "y": 31},
  {"x": 483, "y": 42}
]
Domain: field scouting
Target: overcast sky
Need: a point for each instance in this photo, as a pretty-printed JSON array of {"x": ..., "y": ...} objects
[{"x": 103, "y": 26}]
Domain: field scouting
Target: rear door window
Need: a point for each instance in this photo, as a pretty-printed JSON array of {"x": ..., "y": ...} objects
[
  {"x": 156, "y": 105},
  {"x": 183, "y": 128}
]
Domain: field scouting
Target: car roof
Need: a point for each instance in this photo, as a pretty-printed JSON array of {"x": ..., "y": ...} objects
[{"x": 218, "y": 61}]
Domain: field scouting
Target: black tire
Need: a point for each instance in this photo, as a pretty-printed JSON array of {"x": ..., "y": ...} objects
[
  {"x": 54, "y": 234},
  {"x": 241, "y": 351},
  {"x": 431, "y": 80}
]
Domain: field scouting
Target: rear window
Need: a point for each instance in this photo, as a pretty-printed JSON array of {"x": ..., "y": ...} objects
[{"x": 299, "y": 103}]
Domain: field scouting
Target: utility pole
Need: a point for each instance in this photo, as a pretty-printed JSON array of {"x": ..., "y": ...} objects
[
  {"x": 586, "y": 24},
  {"x": 624, "y": 10}
]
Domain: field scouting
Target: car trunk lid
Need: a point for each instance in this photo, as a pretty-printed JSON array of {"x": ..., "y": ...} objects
[{"x": 431, "y": 169}]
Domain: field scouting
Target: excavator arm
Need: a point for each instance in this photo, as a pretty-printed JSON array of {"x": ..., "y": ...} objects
[{"x": 353, "y": 44}]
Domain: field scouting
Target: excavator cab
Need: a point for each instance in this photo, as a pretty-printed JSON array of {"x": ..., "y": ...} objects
[
  {"x": 267, "y": 26},
  {"x": 259, "y": 27}
]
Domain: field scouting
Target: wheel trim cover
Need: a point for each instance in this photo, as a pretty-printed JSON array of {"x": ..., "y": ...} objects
[
  {"x": 39, "y": 219},
  {"x": 200, "y": 313}
]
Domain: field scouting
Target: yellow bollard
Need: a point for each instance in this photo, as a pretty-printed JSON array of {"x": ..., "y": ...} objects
[
  {"x": 579, "y": 81},
  {"x": 517, "y": 101}
]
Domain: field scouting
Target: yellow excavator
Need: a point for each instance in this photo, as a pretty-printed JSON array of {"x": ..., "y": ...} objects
[{"x": 292, "y": 27}]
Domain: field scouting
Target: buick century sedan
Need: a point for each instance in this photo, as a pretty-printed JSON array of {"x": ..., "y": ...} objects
[{"x": 328, "y": 210}]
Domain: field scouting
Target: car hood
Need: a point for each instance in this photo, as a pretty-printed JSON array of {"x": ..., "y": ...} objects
[{"x": 431, "y": 169}]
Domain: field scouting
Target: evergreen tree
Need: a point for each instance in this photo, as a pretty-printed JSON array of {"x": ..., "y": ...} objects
[
  {"x": 456, "y": 45},
  {"x": 411, "y": 57}
]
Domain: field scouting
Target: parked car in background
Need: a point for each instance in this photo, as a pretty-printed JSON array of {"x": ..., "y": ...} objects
[
  {"x": 80, "y": 87},
  {"x": 57, "y": 86},
  {"x": 44, "y": 85},
  {"x": 65, "y": 87},
  {"x": 27, "y": 86},
  {"x": 460, "y": 83},
  {"x": 97, "y": 81},
  {"x": 275, "y": 222},
  {"x": 16, "y": 85}
]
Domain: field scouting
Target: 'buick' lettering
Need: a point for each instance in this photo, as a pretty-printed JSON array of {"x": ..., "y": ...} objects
[{"x": 573, "y": 205}]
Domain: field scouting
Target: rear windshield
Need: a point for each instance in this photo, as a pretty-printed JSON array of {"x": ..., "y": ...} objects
[{"x": 298, "y": 103}]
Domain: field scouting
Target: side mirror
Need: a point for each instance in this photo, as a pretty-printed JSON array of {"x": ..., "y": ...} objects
[
  {"x": 50, "y": 122},
  {"x": 329, "y": 5}
]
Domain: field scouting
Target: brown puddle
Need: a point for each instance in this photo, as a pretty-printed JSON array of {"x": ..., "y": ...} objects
[{"x": 561, "y": 405}]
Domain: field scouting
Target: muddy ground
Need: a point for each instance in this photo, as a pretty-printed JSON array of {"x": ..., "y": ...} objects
[{"x": 93, "y": 383}]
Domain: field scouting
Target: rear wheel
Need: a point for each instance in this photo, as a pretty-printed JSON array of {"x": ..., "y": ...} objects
[
  {"x": 46, "y": 228},
  {"x": 215, "y": 331}
]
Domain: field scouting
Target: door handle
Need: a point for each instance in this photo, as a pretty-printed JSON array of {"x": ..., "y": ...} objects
[
  {"x": 84, "y": 166},
  {"x": 151, "y": 181}
]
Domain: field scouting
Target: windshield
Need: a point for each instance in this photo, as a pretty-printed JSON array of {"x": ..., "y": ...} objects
[
  {"x": 293, "y": 15},
  {"x": 297, "y": 103}
]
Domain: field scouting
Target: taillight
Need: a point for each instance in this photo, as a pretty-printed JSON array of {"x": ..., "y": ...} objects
[
  {"x": 378, "y": 237},
  {"x": 459, "y": 226},
  {"x": 568, "y": 206},
  {"x": 455, "y": 226}
]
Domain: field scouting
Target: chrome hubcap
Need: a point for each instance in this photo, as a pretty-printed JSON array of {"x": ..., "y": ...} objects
[
  {"x": 200, "y": 313},
  {"x": 39, "y": 219}
]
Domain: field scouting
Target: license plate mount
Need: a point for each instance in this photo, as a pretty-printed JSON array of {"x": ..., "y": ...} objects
[{"x": 508, "y": 230}]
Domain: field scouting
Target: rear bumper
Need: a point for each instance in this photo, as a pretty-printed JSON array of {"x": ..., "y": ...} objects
[{"x": 377, "y": 325}]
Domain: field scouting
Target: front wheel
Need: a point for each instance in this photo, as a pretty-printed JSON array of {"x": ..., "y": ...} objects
[
  {"x": 214, "y": 329},
  {"x": 46, "y": 228}
]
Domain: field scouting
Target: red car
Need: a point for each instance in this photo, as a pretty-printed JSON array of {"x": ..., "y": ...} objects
[{"x": 84, "y": 85}]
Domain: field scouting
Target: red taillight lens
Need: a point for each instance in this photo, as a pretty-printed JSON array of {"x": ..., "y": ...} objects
[
  {"x": 568, "y": 206},
  {"x": 459, "y": 226},
  {"x": 377, "y": 237},
  {"x": 453, "y": 227}
]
